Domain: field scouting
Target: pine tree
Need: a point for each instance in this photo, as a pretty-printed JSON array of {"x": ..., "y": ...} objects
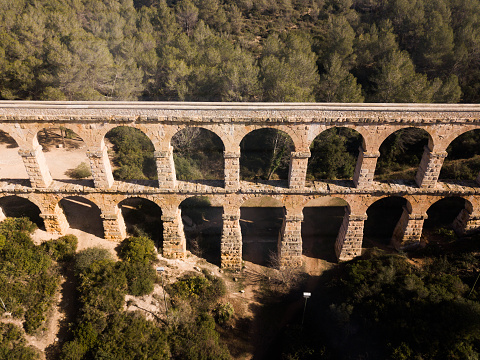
[
  {"x": 288, "y": 69},
  {"x": 337, "y": 84}
]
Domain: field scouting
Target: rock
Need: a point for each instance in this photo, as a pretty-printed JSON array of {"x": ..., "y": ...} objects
[{"x": 242, "y": 291}]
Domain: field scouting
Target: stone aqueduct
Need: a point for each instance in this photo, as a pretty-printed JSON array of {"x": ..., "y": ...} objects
[{"x": 231, "y": 122}]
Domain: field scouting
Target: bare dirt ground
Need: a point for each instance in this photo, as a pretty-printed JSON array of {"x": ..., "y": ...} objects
[{"x": 61, "y": 156}]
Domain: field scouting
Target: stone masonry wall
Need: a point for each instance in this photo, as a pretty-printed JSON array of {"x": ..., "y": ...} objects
[{"x": 232, "y": 122}]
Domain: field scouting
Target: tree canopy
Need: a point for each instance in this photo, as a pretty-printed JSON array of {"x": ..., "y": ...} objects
[{"x": 225, "y": 50}]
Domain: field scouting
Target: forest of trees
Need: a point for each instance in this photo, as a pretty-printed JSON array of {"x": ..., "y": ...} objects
[{"x": 244, "y": 50}]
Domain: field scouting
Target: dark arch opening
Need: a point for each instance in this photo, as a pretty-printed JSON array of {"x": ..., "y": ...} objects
[
  {"x": 65, "y": 153},
  {"x": 334, "y": 154},
  {"x": 265, "y": 155},
  {"x": 382, "y": 217},
  {"x": 83, "y": 214},
  {"x": 322, "y": 219},
  {"x": 202, "y": 224},
  {"x": 463, "y": 160},
  {"x": 198, "y": 154},
  {"x": 442, "y": 214},
  {"x": 11, "y": 163},
  {"x": 400, "y": 154},
  {"x": 16, "y": 206},
  {"x": 261, "y": 222},
  {"x": 143, "y": 218},
  {"x": 131, "y": 154}
]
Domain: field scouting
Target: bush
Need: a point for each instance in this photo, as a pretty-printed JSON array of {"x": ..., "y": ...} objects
[
  {"x": 223, "y": 313},
  {"x": 103, "y": 286},
  {"x": 80, "y": 172},
  {"x": 198, "y": 340},
  {"x": 85, "y": 258},
  {"x": 202, "y": 291},
  {"x": 137, "y": 249},
  {"x": 28, "y": 279},
  {"x": 140, "y": 278},
  {"x": 34, "y": 317},
  {"x": 61, "y": 249},
  {"x": 13, "y": 344},
  {"x": 13, "y": 225}
]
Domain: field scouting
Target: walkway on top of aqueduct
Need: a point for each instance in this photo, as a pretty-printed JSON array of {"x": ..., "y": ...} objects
[{"x": 231, "y": 122}]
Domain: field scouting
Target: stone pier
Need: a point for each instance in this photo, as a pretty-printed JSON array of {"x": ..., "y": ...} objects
[
  {"x": 231, "y": 245},
  {"x": 298, "y": 170},
  {"x": 166, "y": 169},
  {"x": 408, "y": 231},
  {"x": 429, "y": 169},
  {"x": 349, "y": 240},
  {"x": 232, "y": 170},
  {"x": 174, "y": 243},
  {"x": 365, "y": 168},
  {"x": 36, "y": 167},
  {"x": 290, "y": 242}
]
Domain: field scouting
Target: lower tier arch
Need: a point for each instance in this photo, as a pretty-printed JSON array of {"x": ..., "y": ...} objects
[{"x": 283, "y": 222}]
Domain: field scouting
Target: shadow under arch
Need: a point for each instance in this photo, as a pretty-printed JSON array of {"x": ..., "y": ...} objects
[
  {"x": 143, "y": 217},
  {"x": 463, "y": 159},
  {"x": 401, "y": 153},
  {"x": 65, "y": 153},
  {"x": 443, "y": 214},
  {"x": 198, "y": 154},
  {"x": 16, "y": 206},
  {"x": 322, "y": 219},
  {"x": 261, "y": 220},
  {"x": 265, "y": 155},
  {"x": 11, "y": 163},
  {"x": 131, "y": 154},
  {"x": 382, "y": 218},
  {"x": 83, "y": 214},
  {"x": 334, "y": 154},
  {"x": 202, "y": 224}
]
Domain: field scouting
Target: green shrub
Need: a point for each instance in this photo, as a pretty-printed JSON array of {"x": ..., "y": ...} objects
[
  {"x": 13, "y": 344},
  {"x": 10, "y": 226},
  {"x": 61, "y": 249},
  {"x": 140, "y": 278},
  {"x": 198, "y": 340},
  {"x": 34, "y": 317},
  {"x": 223, "y": 313},
  {"x": 82, "y": 171},
  {"x": 103, "y": 286},
  {"x": 137, "y": 249},
  {"x": 202, "y": 291},
  {"x": 28, "y": 277},
  {"x": 85, "y": 258}
]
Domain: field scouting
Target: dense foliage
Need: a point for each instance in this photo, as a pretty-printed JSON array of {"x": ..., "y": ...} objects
[
  {"x": 104, "y": 330},
  {"x": 265, "y": 154},
  {"x": 13, "y": 344},
  {"x": 334, "y": 154},
  {"x": 133, "y": 154},
  {"x": 269, "y": 50},
  {"x": 384, "y": 307},
  {"x": 28, "y": 275},
  {"x": 198, "y": 154}
]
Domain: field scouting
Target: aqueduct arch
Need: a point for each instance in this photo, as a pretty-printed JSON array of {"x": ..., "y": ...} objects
[{"x": 231, "y": 122}]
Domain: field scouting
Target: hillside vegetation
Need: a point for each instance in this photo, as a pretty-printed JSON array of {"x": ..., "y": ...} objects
[{"x": 225, "y": 50}]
